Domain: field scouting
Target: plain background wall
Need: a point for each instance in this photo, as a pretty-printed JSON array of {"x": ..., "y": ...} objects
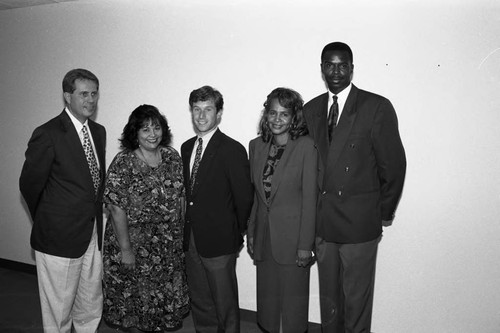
[{"x": 437, "y": 61}]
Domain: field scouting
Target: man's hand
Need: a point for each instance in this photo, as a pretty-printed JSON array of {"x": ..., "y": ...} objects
[{"x": 303, "y": 258}]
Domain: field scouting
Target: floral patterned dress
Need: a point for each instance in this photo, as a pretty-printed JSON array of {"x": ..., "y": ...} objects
[{"x": 153, "y": 296}]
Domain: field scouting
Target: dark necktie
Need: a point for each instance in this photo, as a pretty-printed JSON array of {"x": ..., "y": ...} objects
[
  {"x": 89, "y": 154},
  {"x": 196, "y": 163},
  {"x": 333, "y": 117}
]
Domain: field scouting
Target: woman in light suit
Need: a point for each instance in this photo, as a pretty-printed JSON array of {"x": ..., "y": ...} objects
[{"x": 283, "y": 165}]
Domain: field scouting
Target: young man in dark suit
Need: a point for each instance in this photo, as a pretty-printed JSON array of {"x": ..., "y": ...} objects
[
  {"x": 361, "y": 175},
  {"x": 62, "y": 184},
  {"x": 219, "y": 200}
]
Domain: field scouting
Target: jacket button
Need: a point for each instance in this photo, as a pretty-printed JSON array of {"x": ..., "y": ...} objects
[{"x": 191, "y": 203}]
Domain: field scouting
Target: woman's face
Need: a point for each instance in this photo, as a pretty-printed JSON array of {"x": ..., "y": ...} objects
[
  {"x": 279, "y": 118},
  {"x": 150, "y": 135}
]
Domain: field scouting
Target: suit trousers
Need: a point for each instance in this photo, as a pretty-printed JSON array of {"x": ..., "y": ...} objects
[
  {"x": 282, "y": 294},
  {"x": 71, "y": 290},
  {"x": 213, "y": 289},
  {"x": 346, "y": 281}
]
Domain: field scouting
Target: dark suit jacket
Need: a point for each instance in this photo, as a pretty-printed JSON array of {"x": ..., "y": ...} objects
[
  {"x": 290, "y": 216},
  {"x": 362, "y": 172},
  {"x": 57, "y": 187},
  {"x": 218, "y": 209}
]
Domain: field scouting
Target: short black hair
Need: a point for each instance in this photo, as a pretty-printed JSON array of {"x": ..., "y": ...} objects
[
  {"x": 206, "y": 93},
  {"x": 290, "y": 99},
  {"x": 141, "y": 115},
  {"x": 337, "y": 46},
  {"x": 68, "y": 83}
]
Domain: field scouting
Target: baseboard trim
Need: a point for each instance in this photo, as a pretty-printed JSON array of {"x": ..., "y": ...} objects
[{"x": 18, "y": 266}]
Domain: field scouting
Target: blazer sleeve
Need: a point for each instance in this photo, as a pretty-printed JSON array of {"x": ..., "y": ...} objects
[
  {"x": 391, "y": 159},
  {"x": 36, "y": 169},
  {"x": 309, "y": 197},
  {"x": 253, "y": 213},
  {"x": 238, "y": 169}
]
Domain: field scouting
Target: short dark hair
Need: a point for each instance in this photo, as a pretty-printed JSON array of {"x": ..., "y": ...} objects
[
  {"x": 141, "y": 115},
  {"x": 290, "y": 99},
  {"x": 68, "y": 83},
  {"x": 206, "y": 93},
  {"x": 337, "y": 46}
]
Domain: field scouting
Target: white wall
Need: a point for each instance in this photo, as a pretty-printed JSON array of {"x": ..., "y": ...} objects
[{"x": 438, "y": 62}]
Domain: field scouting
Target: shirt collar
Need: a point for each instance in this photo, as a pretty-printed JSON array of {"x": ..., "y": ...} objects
[
  {"x": 206, "y": 137},
  {"x": 78, "y": 125},
  {"x": 341, "y": 96}
]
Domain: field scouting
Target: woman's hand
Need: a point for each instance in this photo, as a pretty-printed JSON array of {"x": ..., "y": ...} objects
[
  {"x": 303, "y": 258},
  {"x": 128, "y": 259}
]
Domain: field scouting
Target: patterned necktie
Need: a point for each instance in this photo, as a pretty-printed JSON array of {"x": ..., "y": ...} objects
[
  {"x": 196, "y": 163},
  {"x": 89, "y": 154},
  {"x": 333, "y": 117}
]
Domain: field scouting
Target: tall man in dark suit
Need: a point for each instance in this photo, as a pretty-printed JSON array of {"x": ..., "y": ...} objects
[
  {"x": 62, "y": 184},
  {"x": 361, "y": 176},
  {"x": 219, "y": 200}
]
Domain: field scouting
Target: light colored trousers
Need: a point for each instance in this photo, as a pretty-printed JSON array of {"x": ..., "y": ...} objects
[{"x": 71, "y": 290}]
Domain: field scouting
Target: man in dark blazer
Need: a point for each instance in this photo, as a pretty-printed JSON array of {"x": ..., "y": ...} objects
[
  {"x": 62, "y": 183},
  {"x": 219, "y": 200},
  {"x": 361, "y": 175}
]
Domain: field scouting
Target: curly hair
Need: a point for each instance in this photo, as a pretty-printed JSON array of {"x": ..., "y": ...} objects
[
  {"x": 137, "y": 119},
  {"x": 290, "y": 99}
]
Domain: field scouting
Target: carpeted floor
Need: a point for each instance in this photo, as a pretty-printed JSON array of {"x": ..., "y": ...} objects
[{"x": 20, "y": 307}]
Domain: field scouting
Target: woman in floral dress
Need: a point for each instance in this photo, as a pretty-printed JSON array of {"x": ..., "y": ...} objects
[{"x": 144, "y": 280}]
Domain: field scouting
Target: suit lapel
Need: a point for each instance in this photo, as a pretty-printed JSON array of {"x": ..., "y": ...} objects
[
  {"x": 281, "y": 168},
  {"x": 261, "y": 153},
  {"x": 76, "y": 149},
  {"x": 261, "y": 156},
  {"x": 343, "y": 129},
  {"x": 321, "y": 127},
  {"x": 207, "y": 159},
  {"x": 186, "y": 151}
]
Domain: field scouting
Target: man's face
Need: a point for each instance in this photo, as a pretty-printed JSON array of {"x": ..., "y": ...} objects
[
  {"x": 337, "y": 69},
  {"x": 82, "y": 103},
  {"x": 205, "y": 116}
]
